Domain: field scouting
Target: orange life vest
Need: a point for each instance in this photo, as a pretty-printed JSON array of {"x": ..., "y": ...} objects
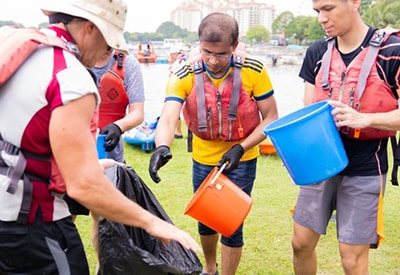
[
  {"x": 357, "y": 85},
  {"x": 114, "y": 98},
  {"x": 228, "y": 112}
]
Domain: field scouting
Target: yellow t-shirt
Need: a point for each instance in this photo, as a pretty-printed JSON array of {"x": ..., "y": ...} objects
[{"x": 256, "y": 83}]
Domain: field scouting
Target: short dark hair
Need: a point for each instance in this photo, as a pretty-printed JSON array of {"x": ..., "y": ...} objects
[{"x": 215, "y": 27}]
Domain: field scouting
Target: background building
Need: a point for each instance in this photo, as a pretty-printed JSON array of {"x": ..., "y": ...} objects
[{"x": 248, "y": 14}]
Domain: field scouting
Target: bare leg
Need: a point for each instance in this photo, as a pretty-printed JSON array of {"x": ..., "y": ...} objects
[
  {"x": 304, "y": 242},
  {"x": 354, "y": 258},
  {"x": 209, "y": 244},
  {"x": 230, "y": 259}
]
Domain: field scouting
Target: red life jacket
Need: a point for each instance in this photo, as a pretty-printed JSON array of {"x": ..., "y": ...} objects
[
  {"x": 357, "y": 85},
  {"x": 228, "y": 112},
  {"x": 114, "y": 98}
]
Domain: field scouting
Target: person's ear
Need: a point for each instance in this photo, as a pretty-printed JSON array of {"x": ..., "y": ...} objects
[
  {"x": 89, "y": 26},
  {"x": 356, "y": 4}
]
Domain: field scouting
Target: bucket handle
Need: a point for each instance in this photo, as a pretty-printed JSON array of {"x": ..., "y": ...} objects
[{"x": 217, "y": 174}]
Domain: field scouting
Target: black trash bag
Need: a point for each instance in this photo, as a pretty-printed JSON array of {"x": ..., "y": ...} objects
[{"x": 130, "y": 250}]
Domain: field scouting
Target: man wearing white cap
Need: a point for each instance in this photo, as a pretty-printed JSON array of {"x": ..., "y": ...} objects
[{"x": 46, "y": 113}]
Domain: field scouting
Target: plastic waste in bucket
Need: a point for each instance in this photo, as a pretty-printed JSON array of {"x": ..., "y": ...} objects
[
  {"x": 219, "y": 203},
  {"x": 308, "y": 143},
  {"x": 101, "y": 152}
]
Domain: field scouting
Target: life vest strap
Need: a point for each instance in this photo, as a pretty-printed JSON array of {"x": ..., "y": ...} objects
[
  {"x": 234, "y": 102},
  {"x": 15, "y": 174},
  {"x": 369, "y": 61},
  {"x": 201, "y": 98},
  {"x": 326, "y": 62}
]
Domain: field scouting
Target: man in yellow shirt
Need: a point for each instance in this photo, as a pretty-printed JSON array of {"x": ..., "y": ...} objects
[{"x": 227, "y": 98}]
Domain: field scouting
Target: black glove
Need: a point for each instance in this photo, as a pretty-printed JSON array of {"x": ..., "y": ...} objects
[
  {"x": 232, "y": 156},
  {"x": 160, "y": 157},
  {"x": 113, "y": 134}
]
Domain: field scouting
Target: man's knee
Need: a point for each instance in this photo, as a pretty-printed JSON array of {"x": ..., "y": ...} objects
[
  {"x": 354, "y": 258},
  {"x": 299, "y": 246},
  {"x": 304, "y": 239}
]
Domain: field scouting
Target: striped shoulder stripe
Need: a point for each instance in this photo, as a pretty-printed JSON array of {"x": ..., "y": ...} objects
[
  {"x": 184, "y": 71},
  {"x": 253, "y": 64},
  {"x": 174, "y": 98}
]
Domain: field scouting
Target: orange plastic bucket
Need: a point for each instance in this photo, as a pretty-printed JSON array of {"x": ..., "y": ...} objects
[{"x": 219, "y": 203}]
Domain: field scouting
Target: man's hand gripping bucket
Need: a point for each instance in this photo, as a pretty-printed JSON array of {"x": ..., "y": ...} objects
[{"x": 219, "y": 203}]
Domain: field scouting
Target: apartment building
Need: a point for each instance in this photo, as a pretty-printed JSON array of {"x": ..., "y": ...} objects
[{"x": 248, "y": 13}]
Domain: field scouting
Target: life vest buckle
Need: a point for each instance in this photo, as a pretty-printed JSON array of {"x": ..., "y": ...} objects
[
  {"x": 197, "y": 68},
  {"x": 376, "y": 41},
  {"x": 238, "y": 62},
  {"x": 202, "y": 128},
  {"x": 10, "y": 149},
  {"x": 326, "y": 86},
  {"x": 120, "y": 60}
]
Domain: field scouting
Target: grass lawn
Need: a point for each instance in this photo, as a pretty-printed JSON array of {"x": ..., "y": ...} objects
[{"x": 268, "y": 228}]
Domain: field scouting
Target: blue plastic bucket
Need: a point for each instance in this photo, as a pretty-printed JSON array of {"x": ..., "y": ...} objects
[
  {"x": 308, "y": 143},
  {"x": 101, "y": 151}
]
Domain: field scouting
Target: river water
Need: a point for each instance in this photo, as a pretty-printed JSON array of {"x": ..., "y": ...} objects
[{"x": 287, "y": 85}]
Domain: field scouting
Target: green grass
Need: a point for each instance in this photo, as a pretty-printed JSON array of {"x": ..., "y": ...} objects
[{"x": 268, "y": 228}]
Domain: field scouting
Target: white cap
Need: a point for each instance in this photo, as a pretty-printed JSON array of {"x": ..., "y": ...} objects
[{"x": 108, "y": 15}]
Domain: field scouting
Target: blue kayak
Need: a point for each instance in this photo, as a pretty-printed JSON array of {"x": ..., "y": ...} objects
[{"x": 143, "y": 135}]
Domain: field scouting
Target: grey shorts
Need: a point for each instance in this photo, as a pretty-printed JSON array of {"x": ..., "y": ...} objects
[{"x": 355, "y": 200}]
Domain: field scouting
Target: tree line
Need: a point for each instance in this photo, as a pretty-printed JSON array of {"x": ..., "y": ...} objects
[
  {"x": 306, "y": 29},
  {"x": 287, "y": 28}
]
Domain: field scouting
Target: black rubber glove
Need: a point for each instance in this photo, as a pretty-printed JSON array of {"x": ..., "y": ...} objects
[
  {"x": 232, "y": 156},
  {"x": 113, "y": 134},
  {"x": 160, "y": 157}
]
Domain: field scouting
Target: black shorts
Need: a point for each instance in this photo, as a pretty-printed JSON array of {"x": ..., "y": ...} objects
[
  {"x": 42, "y": 248},
  {"x": 75, "y": 207}
]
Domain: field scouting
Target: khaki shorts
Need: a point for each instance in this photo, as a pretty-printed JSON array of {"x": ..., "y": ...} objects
[{"x": 355, "y": 200}]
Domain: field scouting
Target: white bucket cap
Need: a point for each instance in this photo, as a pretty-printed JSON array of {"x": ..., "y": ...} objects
[{"x": 108, "y": 15}]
